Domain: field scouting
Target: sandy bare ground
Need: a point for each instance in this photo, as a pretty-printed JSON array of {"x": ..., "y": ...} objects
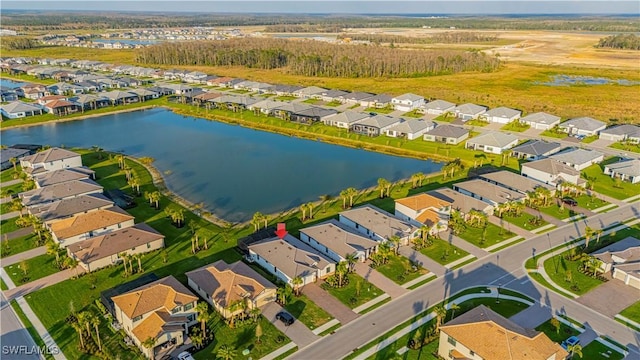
[{"x": 545, "y": 47}]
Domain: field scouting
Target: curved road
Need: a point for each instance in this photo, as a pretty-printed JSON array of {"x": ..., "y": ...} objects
[{"x": 504, "y": 268}]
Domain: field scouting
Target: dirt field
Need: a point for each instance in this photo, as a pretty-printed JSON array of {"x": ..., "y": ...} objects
[{"x": 544, "y": 47}]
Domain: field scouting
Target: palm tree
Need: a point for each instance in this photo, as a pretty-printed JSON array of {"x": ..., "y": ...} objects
[
  {"x": 594, "y": 264},
  {"x": 257, "y": 220},
  {"x": 395, "y": 240},
  {"x": 344, "y": 194},
  {"x": 197, "y": 339},
  {"x": 296, "y": 282},
  {"x": 258, "y": 333},
  {"x": 149, "y": 343},
  {"x": 453, "y": 307},
  {"x": 135, "y": 184},
  {"x": 84, "y": 319},
  {"x": 120, "y": 159},
  {"x": 341, "y": 272},
  {"x": 303, "y": 210},
  {"x": 155, "y": 197},
  {"x": 139, "y": 258},
  {"x": 203, "y": 316},
  {"x": 310, "y": 207},
  {"x": 352, "y": 193},
  {"x": 282, "y": 294},
  {"x": 383, "y": 184},
  {"x": 71, "y": 263},
  {"x": 226, "y": 352},
  {"x": 78, "y": 328},
  {"x": 14, "y": 161},
  {"x": 124, "y": 256},
  {"x": 95, "y": 321},
  {"x": 53, "y": 248},
  {"x": 575, "y": 349},
  {"x": 325, "y": 199},
  {"x": 16, "y": 205},
  {"x": 441, "y": 312},
  {"x": 588, "y": 233},
  {"x": 255, "y": 313},
  {"x": 351, "y": 260}
]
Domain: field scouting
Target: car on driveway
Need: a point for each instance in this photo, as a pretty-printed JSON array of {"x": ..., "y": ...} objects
[
  {"x": 569, "y": 201},
  {"x": 285, "y": 317},
  {"x": 571, "y": 341},
  {"x": 185, "y": 355}
]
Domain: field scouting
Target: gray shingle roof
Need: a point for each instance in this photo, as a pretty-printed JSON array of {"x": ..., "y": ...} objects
[
  {"x": 496, "y": 139},
  {"x": 504, "y": 112},
  {"x": 625, "y": 129},
  {"x": 380, "y": 121},
  {"x": 536, "y": 147},
  {"x": 411, "y": 126},
  {"x": 338, "y": 237},
  {"x": 540, "y": 118},
  {"x": 348, "y": 117},
  {"x": 19, "y": 106},
  {"x": 551, "y": 166},
  {"x": 583, "y": 123},
  {"x": 379, "y": 221},
  {"x": 577, "y": 156},
  {"x": 439, "y": 105},
  {"x": 449, "y": 131},
  {"x": 471, "y": 109},
  {"x": 64, "y": 208},
  {"x": 409, "y": 96},
  {"x": 626, "y": 167}
]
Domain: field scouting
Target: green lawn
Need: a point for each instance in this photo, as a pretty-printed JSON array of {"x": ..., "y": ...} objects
[
  {"x": 3, "y": 285},
  {"x": 242, "y": 338},
  {"x": 386, "y": 110},
  {"x": 5, "y": 208},
  {"x": 8, "y": 225},
  {"x": 493, "y": 234},
  {"x": 443, "y": 252},
  {"x": 590, "y": 202},
  {"x": 477, "y": 122},
  {"x": 333, "y": 103},
  {"x": 8, "y": 174},
  {"x": 399, "y": 269},
  {"x": 558, "y": 213},
  {"x": 312, "y": 101},
  {"x": 596, "y": 350},
  {"x": 605, "y": 185},
  {"x": 17, "y": 245},
  {"x": 347, "y": 294},
  {"x": 632, "y": 312},
  {"x": 626, "y": 147},
  {"x": 11, "y": 189},
  {"x": 29, "y": 326},
  {"x": 307, "y": 312},
  {"x": 524, "y": 221},
  {"x": 555, "y": 335},
  {"x": 413, "y": 114},
  {"x": 590, "y": 139},
  {"x": 557, "y": 268},
  {"x": 240, "y": 91},
  {"x": 446, "y": 117},
  {"x": 37, "y": 268},
  {"x": 516, "y": 126},
  {"x": 554, "y": 134},
  {"x": 285, "y": 98}
]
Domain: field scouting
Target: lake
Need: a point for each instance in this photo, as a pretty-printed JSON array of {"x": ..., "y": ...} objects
[
  {"x": 10, "y": 84},
  {"x": 234, "y": 170}
]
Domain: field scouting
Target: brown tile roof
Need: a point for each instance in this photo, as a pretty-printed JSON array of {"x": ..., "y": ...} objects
[
  {"x": 94, "y": 220},
  {"x": 228, "y": 283},
  {"x": 156, "y": 324},
  {"x": 493, "y": 337},
  {"x": 166, "y": 293},
  {"x": 428, "y": 217},
  {"x": 208, "y": 96},
  {"x": 52, "y": 97},
  {"x": 113, "y": 243},
  {"x": 423, "y": 201},
  {"x": 58, "y": 103}
]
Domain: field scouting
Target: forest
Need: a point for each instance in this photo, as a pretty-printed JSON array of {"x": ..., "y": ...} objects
[
  {"x": 316, "y": 58},
  {"x": 440, "y": 38},
  {"x": 620, "y": 41},
  {"x": 19, "y": 43}
]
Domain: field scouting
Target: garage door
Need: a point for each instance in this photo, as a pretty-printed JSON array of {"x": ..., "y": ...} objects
[
  {"x": 619, "y": 275},
  {"x": 635, "y": 282}
]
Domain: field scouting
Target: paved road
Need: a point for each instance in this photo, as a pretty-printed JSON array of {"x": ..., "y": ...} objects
[
  {"x": 504, "y": 268},
  {"x": 12, "y": 333}
]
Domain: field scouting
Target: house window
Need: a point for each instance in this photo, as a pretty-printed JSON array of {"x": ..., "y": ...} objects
[
  {"x": 191, "y": 317},
  {"x": 137, "y": 318},
  {"x": 451, "y": 341},
  {"x": 133, "y": 249},
  {"x": 119, "y": 226},
  {"x": 175, "y": 310},
  {"x": 471, "y": 353},
  {"x": 148, "y": 245},
  {"x": 189, "y": 306}
]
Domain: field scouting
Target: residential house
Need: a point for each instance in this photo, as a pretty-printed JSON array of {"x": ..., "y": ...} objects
[
  {"x": 378, "y": 224},
  {"x": 8, "y": 154},
  {"x": 145, "y": 94},
  {"x": 45, "y": 99},
  {"x": 622, "y": 261},
  {"x": 375, "y": 125},
  {"x": 224, "y": 285},
  {"x": 345, "y": 120},
  {"x": 482, "y": 334},
  {"x": 623, "y": 132},
  {"x": 535, "y": 150},
  {"x": 289, "y": 258},
  {"x": 285, "y": 90},
  {"x": 410, "y": 129},
  {"x": 332, "y": 95},
  {"x": 625, "y": 170},
  {"x": 337, "y": 240},
  {"x": 377, "y": 101},
  {"x": 448, "y": 134},
  {"x": 34, "y": 91},
  {"x": 7, "y": 95},
  {"x": 60, "y": 209},
  {"x": 106, "y": 249},
  {"x": 492, "y": 142},
  {"x": 424, "y": 210},
  {"x": 63, "y": 88},
  {"x": 117, "y": 97},
  {"x": 90, "y": 101},
  {"x": 179, "y": 89},
  {"x": 49, "y": 160},
  {"x": 502, "y": 115},
  {"x": 62, "y": 176},
  {"x": 19, "y": 109},
  {"x": 303, "y": 113},
  {"x": 195, "y": 77},
  {"x": 61, "y": 107},
  {"x": 266, "y": 107},
  {"x": 234, "y": 102},
  {"x": 582, "y": 126},
  {"x": 310, "y": 92},
  {"x": 355, "y": 98},
  {"x": 84, "y": 226},
  {"x": 579, "y": 159},
  {"x": 206, "y": 98},
  {"x": 461, "y": 202},
  {"x": 407, "y": 102},
  {"x": 162, "y": 90},
  {"x": 515, "y": 182},
  {"x": 488, "y": 192},
  {"x": 438, "y": 107},
  {"x": 552, "y": 172},
  {"x": 468, "y": 111},
  {"x": 162, "y": 310}
]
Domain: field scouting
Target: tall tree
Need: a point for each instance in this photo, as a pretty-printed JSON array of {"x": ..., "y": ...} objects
[
  {"x": 441, "y": 312},
  {"x": 203, "y": 316},
  {"x": 258, "y": 333}
]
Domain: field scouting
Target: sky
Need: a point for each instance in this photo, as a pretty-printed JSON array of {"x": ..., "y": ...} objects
[{"x": 471, "y": 7}]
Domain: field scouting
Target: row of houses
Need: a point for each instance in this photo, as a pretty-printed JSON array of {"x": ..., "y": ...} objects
[{"x": 81, "y": 219}]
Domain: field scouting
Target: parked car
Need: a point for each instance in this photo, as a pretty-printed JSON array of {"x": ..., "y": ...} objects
[
  {"x": 185, "y": 355},
  {"x": 569, "y": 201},
  {"x": 571, "y": 341},
  {"x": 285, "y": 317}
]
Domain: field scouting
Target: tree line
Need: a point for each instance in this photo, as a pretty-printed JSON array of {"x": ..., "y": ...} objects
[
  {"x": 620, "y": 41},
  {"x": 316, "y": 58},
  {"x": 19, "y": 43},
  {"x": 439, "y": 38}
]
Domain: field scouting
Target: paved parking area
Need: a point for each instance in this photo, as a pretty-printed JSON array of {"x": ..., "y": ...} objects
[{"x": 610, "y": 298}]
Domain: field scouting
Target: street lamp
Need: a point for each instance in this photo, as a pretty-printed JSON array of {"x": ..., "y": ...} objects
[{"x": 498, "y": 294}]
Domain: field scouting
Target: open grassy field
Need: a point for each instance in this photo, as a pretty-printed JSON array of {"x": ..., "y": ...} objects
[{"x": 515, "y": 84}]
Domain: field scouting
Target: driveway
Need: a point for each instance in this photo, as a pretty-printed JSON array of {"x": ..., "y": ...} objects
[
  {"x": 376, "y": 278},
  {"x": 423, "y": 260},
  {"x": 298, "y": 332},
  {"x": 330, "y": 304},
  {"x": 610, "y": 298}
]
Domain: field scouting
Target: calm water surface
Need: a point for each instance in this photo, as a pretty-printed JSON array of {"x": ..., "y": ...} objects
[{"x": 235, "y": 171}]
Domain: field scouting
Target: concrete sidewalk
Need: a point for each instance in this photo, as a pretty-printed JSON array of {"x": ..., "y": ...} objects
[
  {"x": 376, "y": 278},
  {"x": 10, "y": 182},
  {"x": 9, "y": 215},
  {"x": 464, "y": 245},
  {"x": 14, "y": 259}
]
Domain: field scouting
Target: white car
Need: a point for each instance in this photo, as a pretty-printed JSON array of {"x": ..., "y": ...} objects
[{"x": 185, "y": 355}]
